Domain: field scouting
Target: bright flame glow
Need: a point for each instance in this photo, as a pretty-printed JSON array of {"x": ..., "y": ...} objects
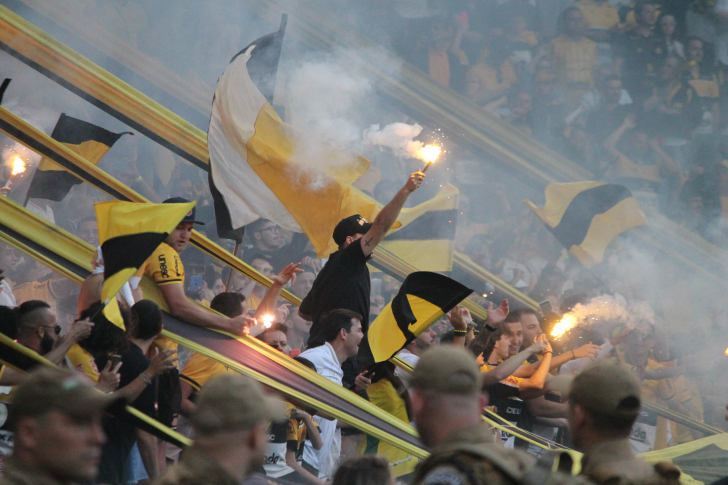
[
  {"x": 726, "y": 351},
  {"x": 429, "y": 153},
  {"x": 18, "y": 165},
  {"x": 268, "y": 320},
  {"x": 567, "y": 323}
]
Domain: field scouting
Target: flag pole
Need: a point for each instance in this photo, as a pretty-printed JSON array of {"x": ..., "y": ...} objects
[
  {"x": 101, "y": 309},
  {"x": 230, "y": 273}
]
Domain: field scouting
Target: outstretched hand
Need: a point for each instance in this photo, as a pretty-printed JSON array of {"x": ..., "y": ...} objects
[
  {"x": 497, "y": 315},
  {"x": 287, "y": 274}
]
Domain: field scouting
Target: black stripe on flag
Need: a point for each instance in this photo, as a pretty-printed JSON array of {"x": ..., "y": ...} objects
[
  {"x": 263, "y": 69},
  {"x": 52, "y": 185},
  {"x": 55, "y": 184},
  {"x": 577, "y": 218},
  {"x": 74, "y": 132},
  {"x": 129, "y": 251},
  {"x": 433, "y": 225},
  {"x": 435, "y": 288},
  {"x": 263, "y": 62}
]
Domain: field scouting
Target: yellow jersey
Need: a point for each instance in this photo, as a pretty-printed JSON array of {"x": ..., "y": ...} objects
[
  {"x": 83, "y": 363},
  {"x": 164, "y": 266},
  {"x": 198, "y": 370},
  {"x": 35, "y": 290},
  {"x": 384, "y": 395}
]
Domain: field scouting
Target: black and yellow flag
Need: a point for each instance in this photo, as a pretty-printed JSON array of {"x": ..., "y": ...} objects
[
  {"x": 53, "y": 182},
  {"x": 586, "y": 216},
  {"x": 129, "y": 233},
  {"x": 423, "y": 298},
  {"x": 427, "y": 238}
]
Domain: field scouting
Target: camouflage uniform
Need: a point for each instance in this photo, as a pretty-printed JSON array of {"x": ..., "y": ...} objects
[
  {"x": 613, "y": 462},
  {"x": 196, "y": 468},
  {"x": 469, "y": 456},
  {"x": 19, "y": 474}
]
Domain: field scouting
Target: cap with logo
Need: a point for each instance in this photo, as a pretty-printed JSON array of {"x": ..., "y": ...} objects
[
  {"x": 351, "y": 226},
  {"x": 48, "y": 389},
  {"x": 234, "y": 402},
  {"x": 190, "y": 217},
  {"x": 605, "y": 387},
  {"x": 448, "y": 370}
]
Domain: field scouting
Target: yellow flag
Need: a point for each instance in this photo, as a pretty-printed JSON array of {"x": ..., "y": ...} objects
[{"x": 129, "y": 233}]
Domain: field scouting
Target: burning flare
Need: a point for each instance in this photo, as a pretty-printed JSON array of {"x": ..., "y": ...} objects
[
  {"x": 429, "y": 153},
  {"x": 726, "y": 351},
  {"x": 18, "y": 165},
  {"x": 268, "y": 320},
  {"x": 567, "y": 322}
]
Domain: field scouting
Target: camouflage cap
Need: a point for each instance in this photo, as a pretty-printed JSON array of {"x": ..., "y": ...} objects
[
  {"x": 234, "y": 402},
  {"x": 607, "y": 387},
  {"x": 447, "y": 370},
  {"x": 51, "y": 389}
]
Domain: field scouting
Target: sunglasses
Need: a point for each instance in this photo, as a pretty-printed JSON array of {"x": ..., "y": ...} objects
[{"x": 56, "y": 328}]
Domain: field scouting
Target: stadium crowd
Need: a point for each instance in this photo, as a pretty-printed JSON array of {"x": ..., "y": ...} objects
[{"x": 630, "y": 91}]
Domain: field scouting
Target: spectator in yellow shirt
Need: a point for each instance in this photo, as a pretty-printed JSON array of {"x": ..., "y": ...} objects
[{"x": 574, "y": 57}]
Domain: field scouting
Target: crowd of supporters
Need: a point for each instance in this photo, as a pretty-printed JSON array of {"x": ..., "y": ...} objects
[{"x": 632, "y": 92}]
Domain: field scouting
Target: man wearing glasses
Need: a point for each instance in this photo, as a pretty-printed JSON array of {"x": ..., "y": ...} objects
[
  {"x": 270, "y": 243},
  {"x": 38, "y": 330},
  {"x": 267, "y": 239}
]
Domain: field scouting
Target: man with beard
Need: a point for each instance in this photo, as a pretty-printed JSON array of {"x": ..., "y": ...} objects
[
  {"x": 37, "y": 330},
  {"x": 231, "y": 429}
]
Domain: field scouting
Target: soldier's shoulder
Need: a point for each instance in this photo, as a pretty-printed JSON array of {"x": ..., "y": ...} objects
[
  {"x": 181, "y": 474},
  {"x": 463, "y": 468},
  {"x": 662, "y": 473}
]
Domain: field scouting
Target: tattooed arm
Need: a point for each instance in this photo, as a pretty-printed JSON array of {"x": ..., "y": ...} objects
[{"x": 388, "y": 215}]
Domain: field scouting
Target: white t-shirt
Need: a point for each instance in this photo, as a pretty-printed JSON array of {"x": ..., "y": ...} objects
[
  {"x": 325, "y": 459},
  {"x": 6, "y": 295},
  {"x": 275, "y": 464},
  {"x": 412, "y": 360}
]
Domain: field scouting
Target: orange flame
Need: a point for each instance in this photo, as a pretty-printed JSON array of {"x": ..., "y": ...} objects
[
  {"x": 18, "y": 165},
  {"x": 726, "y": 351},
  {"x": 268, "y": 320},
  {"x": 567, "y": 322},
  {"x": 429, "y": 153}
]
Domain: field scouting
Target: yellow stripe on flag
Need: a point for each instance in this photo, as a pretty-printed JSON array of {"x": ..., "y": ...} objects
[
  {"x": 604, "y": 228},
  {"x": 384, "y": 341},
  {"x": 558, "y": 198}
]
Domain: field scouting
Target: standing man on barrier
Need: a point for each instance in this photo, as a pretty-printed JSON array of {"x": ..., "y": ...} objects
[
  {"x": 344, "y": 281},
  {"x": 447, "y": 404},
  {"x": 604, "y": 402}
]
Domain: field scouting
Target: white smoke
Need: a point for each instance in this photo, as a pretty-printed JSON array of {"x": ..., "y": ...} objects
[
  {"x": 324, "y": 97},
  {"x": 398, "y": 137},
  {"x": 613, "y": 308}
]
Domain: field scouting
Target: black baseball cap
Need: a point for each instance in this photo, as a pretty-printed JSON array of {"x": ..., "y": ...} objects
[
  {"x": 350, "y": 226},
  {"x": 190, "y": 217}
]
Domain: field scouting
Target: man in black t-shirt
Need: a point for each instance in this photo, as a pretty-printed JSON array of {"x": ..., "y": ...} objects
[
  {"x": 138, "y": 384},
  {"x": 344, "y": 281}
]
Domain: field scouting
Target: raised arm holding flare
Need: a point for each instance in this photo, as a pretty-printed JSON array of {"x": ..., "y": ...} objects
[{"x": 344, "y": 281}]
